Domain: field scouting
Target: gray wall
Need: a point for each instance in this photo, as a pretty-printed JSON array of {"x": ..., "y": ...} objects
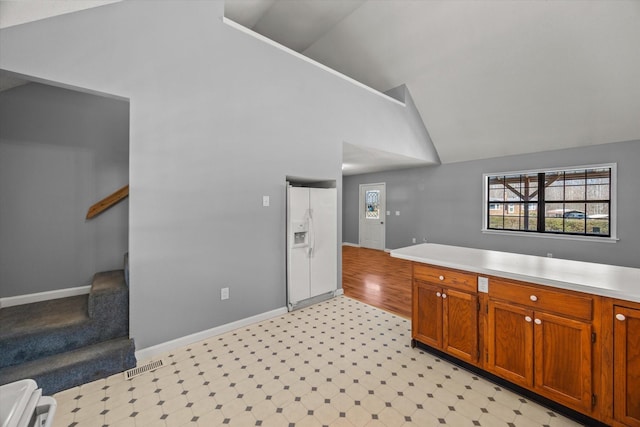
[
  {"x": 60, "y": 152},
  {"x": 444, "y": 203},
  {"x": 218, "y": 119}
]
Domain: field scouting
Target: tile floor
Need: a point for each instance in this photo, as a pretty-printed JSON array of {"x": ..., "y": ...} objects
[{"x": 337, "y": 363}]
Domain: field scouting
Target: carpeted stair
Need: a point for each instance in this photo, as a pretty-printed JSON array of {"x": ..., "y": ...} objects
[{"x": 65, "y": 342}]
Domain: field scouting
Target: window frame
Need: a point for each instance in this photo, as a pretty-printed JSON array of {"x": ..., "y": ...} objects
[{"x": 613, "y": 218}]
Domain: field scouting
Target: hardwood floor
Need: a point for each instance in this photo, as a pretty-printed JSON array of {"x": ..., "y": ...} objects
[{"x": 375, "y": 278}]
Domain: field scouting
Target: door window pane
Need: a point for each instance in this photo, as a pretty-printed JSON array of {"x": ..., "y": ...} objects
[{"x": 372, "y": 204}]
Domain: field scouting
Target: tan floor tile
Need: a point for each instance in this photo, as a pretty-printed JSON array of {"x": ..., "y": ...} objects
[
  {"x": 179, "y": 417},
  {"x": 125, "y": 422},
  {"x": 203, "y": 406},
  {"x": 210, "y": 419},
  {"x": 89, "y": 411},
  {"x": 149, "y": 416},
  {"x": 118, "y": 413},
  {"x": 92, "y": 387},
  {"x": 95, "y": 421},
  {"x": 455, "y": 418},
  {"x": 436, "y": 408},
  {"x": 294, "y": 411},
  {"x": 170, "y": 392},
  {"x": 501, "y": 411},
  {"x": 146, "y": 401},
  {"x": 358, "y": 416},
  {"x": 391, "y": 418},
  {"x": 263, "y": 410},
  {"x": 62, "y": 419},
  {"x": 85, "y": 400},
  {"x": 197, "y": 393},
  {"x": 233, "y": 408},
  {"x": 275, "y": 420},
  {"x": 176, "y": 403}
]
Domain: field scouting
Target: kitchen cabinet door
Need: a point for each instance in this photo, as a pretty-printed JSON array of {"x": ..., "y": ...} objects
[
  {"x": 626, "y": 369},
  {"x": 427, "y": 314},
  {"x": 510, "y": 342},
  {"x": 563, "y": 352},
  {"x": 460, "y": 324}
]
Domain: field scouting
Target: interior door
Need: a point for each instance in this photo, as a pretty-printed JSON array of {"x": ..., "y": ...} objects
[{"x": 372, "y": 216}]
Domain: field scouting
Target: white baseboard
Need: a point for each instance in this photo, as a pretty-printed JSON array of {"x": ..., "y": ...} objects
[
  {"x": 43, "y": 296},
  {"x": 350, "y": 244},
  {"x": 156, "y": 350}
]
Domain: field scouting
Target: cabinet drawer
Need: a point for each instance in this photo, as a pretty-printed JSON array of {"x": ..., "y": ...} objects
[
  {"x": 445, "y": 277},
  {"x": 539, "y": 298}
]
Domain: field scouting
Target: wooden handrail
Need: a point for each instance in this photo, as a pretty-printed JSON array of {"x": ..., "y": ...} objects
[{"x": 107, "y": 202}]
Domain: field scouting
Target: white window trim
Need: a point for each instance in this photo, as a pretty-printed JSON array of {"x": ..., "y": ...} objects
[{"x": 613, "y": 207}]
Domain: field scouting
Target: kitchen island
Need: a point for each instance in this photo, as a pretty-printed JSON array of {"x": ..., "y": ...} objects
[{"x": 568, "y": 331}]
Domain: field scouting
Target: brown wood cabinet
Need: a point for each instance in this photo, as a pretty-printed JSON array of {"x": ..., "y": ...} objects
[
  {"x": 445, "y": 311},
  {"x": 551, "y": 353},
  {"x": 577, "y": 349},
  {"x": 626, "y": 366}
]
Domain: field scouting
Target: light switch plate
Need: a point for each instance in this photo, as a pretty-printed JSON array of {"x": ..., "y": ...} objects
[
  {"x": 265, "y": 201},
  {"x": 483, "y": 284}
]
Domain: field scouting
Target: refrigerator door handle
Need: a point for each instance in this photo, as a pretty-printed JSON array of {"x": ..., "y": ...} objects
[{"x": 312, "y": 235}]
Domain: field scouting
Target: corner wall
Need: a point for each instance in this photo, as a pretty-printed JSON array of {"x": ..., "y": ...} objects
[{"x": 444, "y": 204}]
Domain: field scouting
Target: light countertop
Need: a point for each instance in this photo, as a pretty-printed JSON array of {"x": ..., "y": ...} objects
[{"x": 598, "y": 279}]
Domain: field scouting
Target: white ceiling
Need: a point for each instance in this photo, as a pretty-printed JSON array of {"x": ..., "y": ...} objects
[{"x": 489, "y": 77}]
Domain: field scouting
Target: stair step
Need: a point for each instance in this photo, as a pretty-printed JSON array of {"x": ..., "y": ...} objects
[
  {"x": 109, "y": 296},
  {"x": 33, "y": 331},
  {"x": 65, "y": 370}
]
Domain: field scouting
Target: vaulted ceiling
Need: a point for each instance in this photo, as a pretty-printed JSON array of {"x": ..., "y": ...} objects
[{"x": 489, "y": 77}]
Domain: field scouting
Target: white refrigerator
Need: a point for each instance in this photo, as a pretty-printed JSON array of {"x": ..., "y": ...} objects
[{"x": 312, "y": 243}]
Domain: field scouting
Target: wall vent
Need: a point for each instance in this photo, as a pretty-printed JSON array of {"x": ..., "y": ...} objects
[{"x": 139, "y": 370}]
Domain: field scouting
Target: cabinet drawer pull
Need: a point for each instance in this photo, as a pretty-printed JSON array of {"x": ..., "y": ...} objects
[
  {"x": 538, "y": 321},
  {"x": 438, "y": 294},
  {"x": 444, "y": 295},
  {"x": 533, "y": 298},
  {"x": 441, "y": 277},
  {"x": 620, "y": 317},
  {"x": 527, "y": 318}
]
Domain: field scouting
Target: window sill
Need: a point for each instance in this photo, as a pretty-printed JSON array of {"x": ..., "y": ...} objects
[{"x": 611, "y": 239}]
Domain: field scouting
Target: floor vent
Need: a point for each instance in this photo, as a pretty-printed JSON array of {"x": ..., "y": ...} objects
[{"x": 139, "y": 370}]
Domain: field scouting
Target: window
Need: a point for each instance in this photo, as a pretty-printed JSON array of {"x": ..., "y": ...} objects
[
  {"x": 372, "y": 201},
  {"x": 576, "y": 201}
]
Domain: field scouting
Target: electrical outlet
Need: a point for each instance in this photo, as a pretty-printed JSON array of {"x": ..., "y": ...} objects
[
  {"x": 483, "y": 284},
  {"x": 549, "y": 255},
  {"x": 224, "y": 293},
  {"x": 413, "y": 240}
]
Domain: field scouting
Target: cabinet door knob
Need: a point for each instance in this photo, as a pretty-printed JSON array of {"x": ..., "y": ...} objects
[
  {"x": 438, "y": 294},
  {"x": 533, "y": 298},
  {"x": 527, "y": 318},
  {"x": 444, "y": 295},
  {"x": 620, "y": 317},
  {"x": 538, "y": 321},
  {"x": 441, "y": 277}
]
